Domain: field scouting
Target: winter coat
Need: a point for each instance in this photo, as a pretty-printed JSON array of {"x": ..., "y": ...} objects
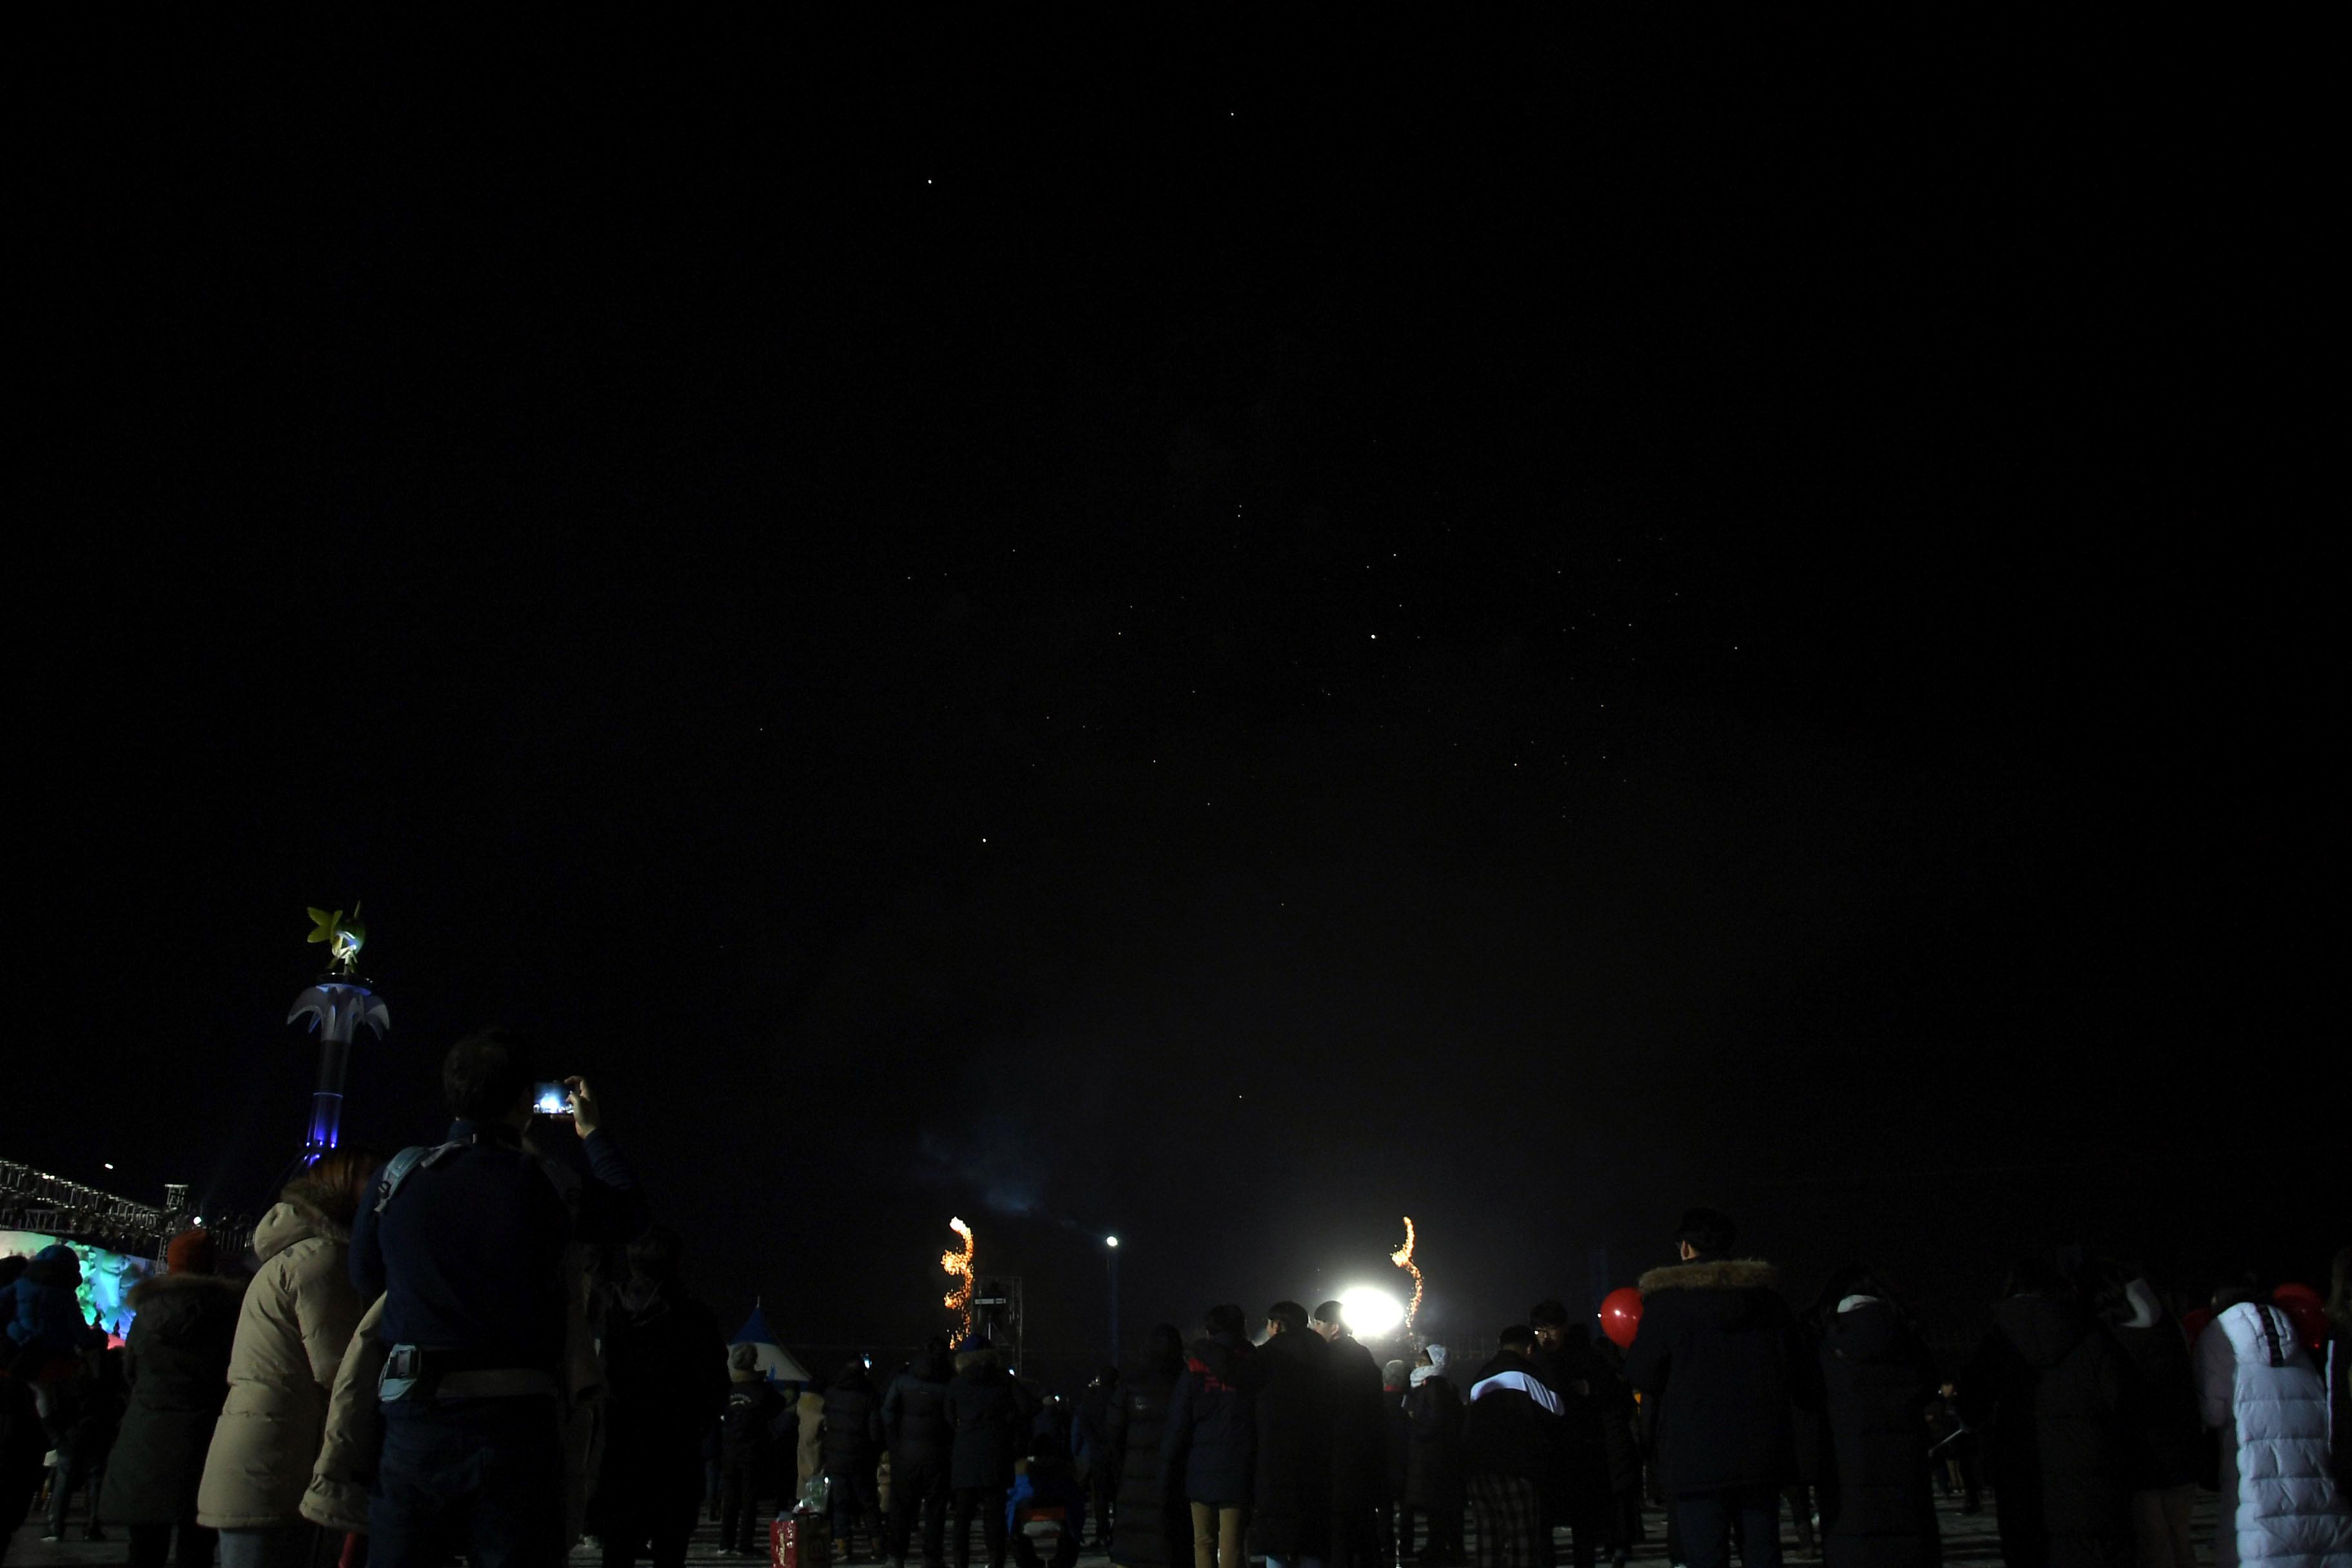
[
  {"x": 666, "y": 1373},
  {"x": 345, "y": 1474},
  {"x": 1211, "y": 1441},
  {"x": 2167, "y": 1434},
  {"x": 748, "y": 1425},
  {"x": 23, "y": 1442},
  {"x": 1432, "y": 1473},
  {"x": 1877, "y": 1499},
  {"x": 988, "y": 1412},
  {"x": 1292, "y": 1494},
  {"x": 1511, "y": 1425},
  {"x": 298, "y": 1316},
  {"x": 2339, "y": 1408},
  {"x": 1360, "y": 1463},
  {"x": 47, "y": 1314},
  {"x": 1092, "y": 1436},
  {"x": 853, "y": 1425},
  {"x": 1576, "y": 1488},
  {"x": 1151, "y": 1527},
  {"x": 2054, "y": 1396},
  {"x": 1619, "y": 1417},
  {"x": 2258, "y": 1386},
  {"x": 914, "y": 1414},
  {"x": 809, "y": 1454},
  {"x": 177, "y": 1363},
  {"x": 1719, "y": 1354}
]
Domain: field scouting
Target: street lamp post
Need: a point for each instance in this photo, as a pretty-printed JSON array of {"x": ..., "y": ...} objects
[{"x": 1110, "y": 1252}]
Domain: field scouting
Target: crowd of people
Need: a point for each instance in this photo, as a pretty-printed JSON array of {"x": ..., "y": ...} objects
[{"x": 475, "y": 1349}]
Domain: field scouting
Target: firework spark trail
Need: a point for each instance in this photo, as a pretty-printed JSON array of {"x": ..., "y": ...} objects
[
  {"x": 958, "y": 1265},
  {"x": 1402, "y": 1259}
]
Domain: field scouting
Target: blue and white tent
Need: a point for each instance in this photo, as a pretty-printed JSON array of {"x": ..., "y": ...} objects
[{"x": 775, "y": 1359}]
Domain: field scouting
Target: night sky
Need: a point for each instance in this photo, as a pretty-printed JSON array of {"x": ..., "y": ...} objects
[{"x": 1209, "y": 631}]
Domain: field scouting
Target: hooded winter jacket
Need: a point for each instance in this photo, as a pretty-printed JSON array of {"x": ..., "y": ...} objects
[
  {"x": 2167, "y": 1434},
  {"x": 914, "y": 1414},
  {"x": 666, "y": 1366},
  {"x": 1151, "y": 1525},
  {"x": 2055, "y": 1398},
  {"x": 1432, "y": 1468},
  {"x": 177, "y": 1363},
  {"x": 47, "y": 1314},
  {"x": 2257, "y": 1384},
  {"x": 989, "y": 1411},
  {"x": 852, "y": 1424},
  {"x": 1293, "y": 1494},
  {"x": 1209, "y": 1444},
  {"x": 1878, "y": 1507},
  {"x": 298, "y": 1316},
  {"x": 1719, "y": 1353}
]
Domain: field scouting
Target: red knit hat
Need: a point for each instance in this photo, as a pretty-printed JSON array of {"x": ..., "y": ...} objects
[{"x": 190, "y": 1252}]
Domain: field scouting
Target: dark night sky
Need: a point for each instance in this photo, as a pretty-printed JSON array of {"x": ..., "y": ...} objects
[{"x": 1210, "y": 632}]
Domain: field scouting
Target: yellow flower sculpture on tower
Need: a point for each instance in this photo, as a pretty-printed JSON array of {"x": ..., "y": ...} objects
[{"x": 345, "y": 937}]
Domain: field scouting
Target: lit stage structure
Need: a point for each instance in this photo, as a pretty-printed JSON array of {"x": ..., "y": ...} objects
[{"x": 337, "y": 1004}]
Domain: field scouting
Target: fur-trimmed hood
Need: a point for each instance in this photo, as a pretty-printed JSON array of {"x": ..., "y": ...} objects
[{"x": 1712, "y": 1274}]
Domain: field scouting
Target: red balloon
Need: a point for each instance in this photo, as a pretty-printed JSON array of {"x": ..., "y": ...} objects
[
  {"x": 2193, "y": 1321},
  {"x": 2309, "y": 1318},
  {"x": 1620, "y": 1315}
]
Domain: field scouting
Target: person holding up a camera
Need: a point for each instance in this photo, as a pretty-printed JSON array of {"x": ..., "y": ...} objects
[{"x": 465, "y": 1241}]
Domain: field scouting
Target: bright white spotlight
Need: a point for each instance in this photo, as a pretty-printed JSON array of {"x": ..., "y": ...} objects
[
  {"x": 1372, "y": 1314},
  {"x": 1110, "y": 1241}
]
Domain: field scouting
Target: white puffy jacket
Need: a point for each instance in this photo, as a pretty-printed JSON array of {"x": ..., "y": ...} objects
[{"x": 2274, "y": 1453}]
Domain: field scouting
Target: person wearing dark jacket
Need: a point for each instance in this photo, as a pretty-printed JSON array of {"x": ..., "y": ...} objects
[
  {"x": 1719, "y": 1353},
  {"x": 1576, "y": 1493},
  {"x": 666, "y": 1370},
  {"x": 1097, "y": 1472},
  {"x": 23, "y": 1442},
  {"x": 989, "y": 1412},
  {"x": 1151, "y": 1525},
  {"x": 467, "y": 1244},
  {"x": 2054, "y": 1396},
  {"x": 47, "y": 1318},
  {"x": 1291, "y": 1512},
  {"x": 747, "y": 1440},
  {"x": 915, "y": 1425},
  {"x": 1210, "y": 1442},
  {"x": 1358, "y": 1441},
  {"x": 176, "y": 1363},
  {"x": 82, "y": 1428},
  {"x": 1877, "y": 1500},
  {"x": 1510, "y": 1446},
  {"x": 853, "y": 1450},
  {"x": 1433, "y": 1476},
  {"x": 1620, "y": 1428},
  {"x": 2167, "y": 1434}
]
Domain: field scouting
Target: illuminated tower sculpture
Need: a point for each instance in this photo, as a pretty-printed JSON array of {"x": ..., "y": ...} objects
[{"x": 338, "y": 1003}]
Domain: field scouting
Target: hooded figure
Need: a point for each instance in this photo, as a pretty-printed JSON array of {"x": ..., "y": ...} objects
[
  {"x": 298, "y": 1317},
  {"x": 2167, "y": 1434},
  {"x": 176, "y": 1363},
  {"x": 666, "y": 1368},
  {"x": 1151, "y": 1525},
  {"x": 2053, "y": 1394},
  {"x": 1434, "y": 1467},
  {"x": 915, "y": 1426},
  {"x": 47, "y": 1316},
  {"x": 853, "y": 1449},
  {"x": 989, "y": 1411},
  {"x": 2280, "y": 1507},
  {"x": 1878, "y": 1505}
]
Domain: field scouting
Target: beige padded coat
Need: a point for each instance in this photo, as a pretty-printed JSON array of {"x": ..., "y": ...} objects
[{"x": 297, "y": 1318}]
